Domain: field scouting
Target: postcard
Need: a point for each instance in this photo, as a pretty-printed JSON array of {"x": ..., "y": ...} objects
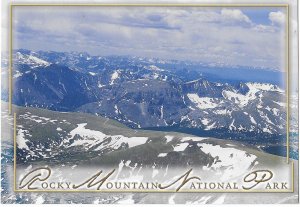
[{"x": 184, "y": 102}]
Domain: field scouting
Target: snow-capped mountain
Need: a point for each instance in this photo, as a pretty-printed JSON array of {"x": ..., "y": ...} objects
[
  {"x": 133, "y": 92},
  {"x": 75, "y": 144},
  {"x": 143, "y": 93},
  {"x": 30, "y": 59},
  {"x": 95, "y": 138}
]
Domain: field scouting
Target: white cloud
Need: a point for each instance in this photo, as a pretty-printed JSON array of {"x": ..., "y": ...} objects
[
  {"x": 235, "y": 14},
  {"x": 203, "y": 34},
  {"x": 277, "y": 17},
  {"x": 264, "y": 28}
]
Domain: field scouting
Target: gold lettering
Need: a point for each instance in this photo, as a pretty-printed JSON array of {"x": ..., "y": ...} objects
[
  {"x": 257, "y": 177},
  {"x": 91, "y": 181},
  {"x": 185, "y": 180},
  {"x": 37, "y": 177}
]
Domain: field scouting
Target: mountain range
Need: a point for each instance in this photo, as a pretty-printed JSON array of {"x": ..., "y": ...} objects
[
  {"x": 74, "y": 110},
  {"x": 151, "y": 94}
]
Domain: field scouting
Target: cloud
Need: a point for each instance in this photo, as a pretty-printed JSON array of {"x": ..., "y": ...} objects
[
  {"x": 265, "y": 28},
  {"x": 200, "y": 34},
  {"x": 277, "y": 18},
  {"x": 235, "y": 14}
]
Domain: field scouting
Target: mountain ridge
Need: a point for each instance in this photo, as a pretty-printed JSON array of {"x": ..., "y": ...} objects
[{"x": 142, "y": 95}]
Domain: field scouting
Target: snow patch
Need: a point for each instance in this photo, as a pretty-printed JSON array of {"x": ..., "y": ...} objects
[
  {"x": 114, "y": 76},
  {"x": 203, "y": 102},
  {"x": 180, "y": 147},
  {"x": 162, "y": 154},
  {"x": 236, "y": 161},
  {"x": 195, "y": 139},
  {"x": 252, "y": 120},
  {"x": 21, "y": 139},
  {"x": 90, "y": 138},
  {"x": 169, "y": 138},
  {"x": 280, "y": 103}
]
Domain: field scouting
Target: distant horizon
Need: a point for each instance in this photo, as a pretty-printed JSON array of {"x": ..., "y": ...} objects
[
  {"x": 224, "y": 72},
  {"x": 195, "y": 62}
]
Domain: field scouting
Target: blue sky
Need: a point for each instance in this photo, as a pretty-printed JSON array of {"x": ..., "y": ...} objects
[
  {"x": 260, "y": 15},
  {"x": 228, "y": 36}
]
